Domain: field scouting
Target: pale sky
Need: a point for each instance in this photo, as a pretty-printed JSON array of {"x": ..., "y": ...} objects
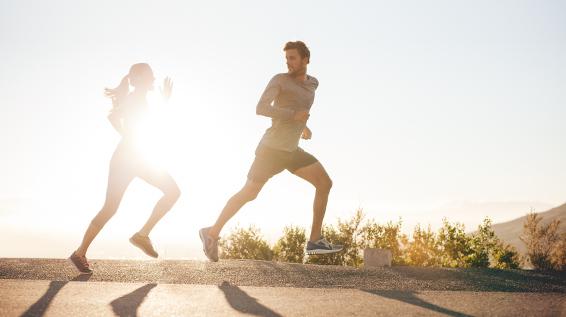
[{"x": 424, "y": 110}]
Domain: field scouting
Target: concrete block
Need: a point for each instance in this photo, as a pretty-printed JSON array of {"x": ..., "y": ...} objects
[{"x": 377, "y": 257}]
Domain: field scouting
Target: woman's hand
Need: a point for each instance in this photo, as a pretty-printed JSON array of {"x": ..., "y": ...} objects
[
  {"x": 167, "y": 88},
  {"x": 112, "y": 94}
]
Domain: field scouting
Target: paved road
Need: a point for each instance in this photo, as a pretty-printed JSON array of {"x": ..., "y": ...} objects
[
  {"x": 276, "y": 274},
  {"x": 35, "y": 287}
]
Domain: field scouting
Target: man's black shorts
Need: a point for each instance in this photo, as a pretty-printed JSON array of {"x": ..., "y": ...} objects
[{"x": 269, "y": 162}]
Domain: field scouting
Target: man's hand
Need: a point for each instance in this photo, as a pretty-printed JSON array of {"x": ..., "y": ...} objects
[
  {"x": 307, "y": 133},
  {"x": 301, "y": 115},
  {"x": 167, "y": 88}
]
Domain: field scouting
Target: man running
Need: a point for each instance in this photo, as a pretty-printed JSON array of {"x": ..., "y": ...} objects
[{"x": 292, "y": 95}]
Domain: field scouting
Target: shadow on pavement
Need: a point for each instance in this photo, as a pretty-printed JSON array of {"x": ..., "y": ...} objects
[
  {"x": 517, "y": 280},
  {"x": 242, "y": 302},
  {"x": 128, "y": 304},
  {"x": 39, "y": 307},
  {"x": 488, "y": 279},
  {"x": 411, "y": 298}
]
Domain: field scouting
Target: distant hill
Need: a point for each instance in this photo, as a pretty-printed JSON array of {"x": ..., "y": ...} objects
[{"x": 511, "y": 231}]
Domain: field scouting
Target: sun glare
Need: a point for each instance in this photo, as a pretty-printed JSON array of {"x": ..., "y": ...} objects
[{"x": 152, "y": 135}]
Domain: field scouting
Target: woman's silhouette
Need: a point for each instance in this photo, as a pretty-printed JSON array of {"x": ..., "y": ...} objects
[{"x": 127, "y": 162}]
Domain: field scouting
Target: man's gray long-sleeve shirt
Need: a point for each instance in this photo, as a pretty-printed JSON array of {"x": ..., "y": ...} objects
[{"x": 288, "y": 95}]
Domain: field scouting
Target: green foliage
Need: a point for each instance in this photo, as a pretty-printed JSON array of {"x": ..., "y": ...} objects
[
  {"x": 355, "y": 235},
  {"x": 424, "y": 249},
  {"x": 388, "y": 236},
  {"x": 245, "y": 244},
  {"x": 558, "y": 255},
  {"x": 505, "y": 257},
  {"x": 291, "y": 246},
  {"x": 455, "y": 246},
  {"x": 482, "y": 245},
  {"x": 452, "y": 247},
  {"x": 449, "y": 247},
  {"x": 347, "y": 234},
  {"x": 544, "y": 244}
]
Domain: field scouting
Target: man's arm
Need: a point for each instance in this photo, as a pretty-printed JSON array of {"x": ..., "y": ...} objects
[{"x": 265, "y": 107}]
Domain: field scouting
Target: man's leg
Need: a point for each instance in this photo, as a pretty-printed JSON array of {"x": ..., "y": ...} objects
[
  {"x": 209, "y": 236},
  {"x": 265, "y": 165},
  {"x": 248, "y": 193},
  {"x": 317, "y": 176}
]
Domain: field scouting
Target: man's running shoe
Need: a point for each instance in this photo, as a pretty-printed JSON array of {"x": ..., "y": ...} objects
[
  {"x": 80, "y": 263},
  {"x": 209, "y": 244},
  {"x": 144, "y": 243},
  {"x": 322, "y": 247}
]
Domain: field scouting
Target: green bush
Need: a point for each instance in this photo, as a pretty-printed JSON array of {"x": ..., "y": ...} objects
[
  {"x": 347, "y": 234},
  {"x": 245, "y": 244},
  {"x": 482, "y": 245},
  {"x": 454, "y": 245},
  {"x": 423, "y": 249},
  {"x": 388, "y": 236},
  {"x": 356, "y": 234},
  {"x": 449, "y": 247},
  {"x": 506, "y": 257},
  {"x": 544, "y": 243},
  {"x": 558, "y": 254},
  {"x": 291, "y": 246}
]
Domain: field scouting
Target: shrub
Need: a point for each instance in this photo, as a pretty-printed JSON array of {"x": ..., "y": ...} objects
[
  {"x": 454, "y": 245},
  {"x": 558, "y": 254},
  {"x": 245, "y": 244},
  {"x": 291, "y": 246},
  {"x": 347, "y": 234},
  {"x": 482, "y": 244},
  {"x": 423, "y": 250},
  {"x": 506, "y": 257},
  {"x": 388, "y": 236},
  {"x": 541, "y": 241}
]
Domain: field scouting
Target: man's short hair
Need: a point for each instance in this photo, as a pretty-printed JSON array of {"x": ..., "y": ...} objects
[{"x": 300, "y": 47}]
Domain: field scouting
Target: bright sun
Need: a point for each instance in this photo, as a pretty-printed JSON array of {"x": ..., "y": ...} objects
[{"x": 153, "y": 134}]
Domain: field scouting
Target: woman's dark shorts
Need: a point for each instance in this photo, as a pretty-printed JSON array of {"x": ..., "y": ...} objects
[{"x": 269, "y": 162}]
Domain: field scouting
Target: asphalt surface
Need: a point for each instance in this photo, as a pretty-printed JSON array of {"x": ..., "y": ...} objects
[
  {"x": 276, "y": 274},
  {"x": 36, "y": 298},
  {"x": 52, "y": 287}
]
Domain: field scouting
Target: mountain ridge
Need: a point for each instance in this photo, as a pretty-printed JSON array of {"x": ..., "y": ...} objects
[{"x": 510, "y": 231}]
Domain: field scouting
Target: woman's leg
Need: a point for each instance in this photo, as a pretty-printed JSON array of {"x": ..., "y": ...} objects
[
  {"x": 171, "y": 193},
  {"x": 118, "y": 181}
]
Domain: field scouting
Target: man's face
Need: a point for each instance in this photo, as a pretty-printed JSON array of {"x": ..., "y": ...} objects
[{"x": 295, "y": 64}]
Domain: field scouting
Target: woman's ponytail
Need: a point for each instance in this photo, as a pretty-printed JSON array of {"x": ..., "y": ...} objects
[{"x": 118, "y": 93}]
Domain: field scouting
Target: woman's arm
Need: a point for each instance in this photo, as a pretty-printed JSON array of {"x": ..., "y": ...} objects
[{"x": 116, "y": 121}]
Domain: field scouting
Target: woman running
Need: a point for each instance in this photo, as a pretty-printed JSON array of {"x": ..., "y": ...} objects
[{"x": 127, "y": 162}]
